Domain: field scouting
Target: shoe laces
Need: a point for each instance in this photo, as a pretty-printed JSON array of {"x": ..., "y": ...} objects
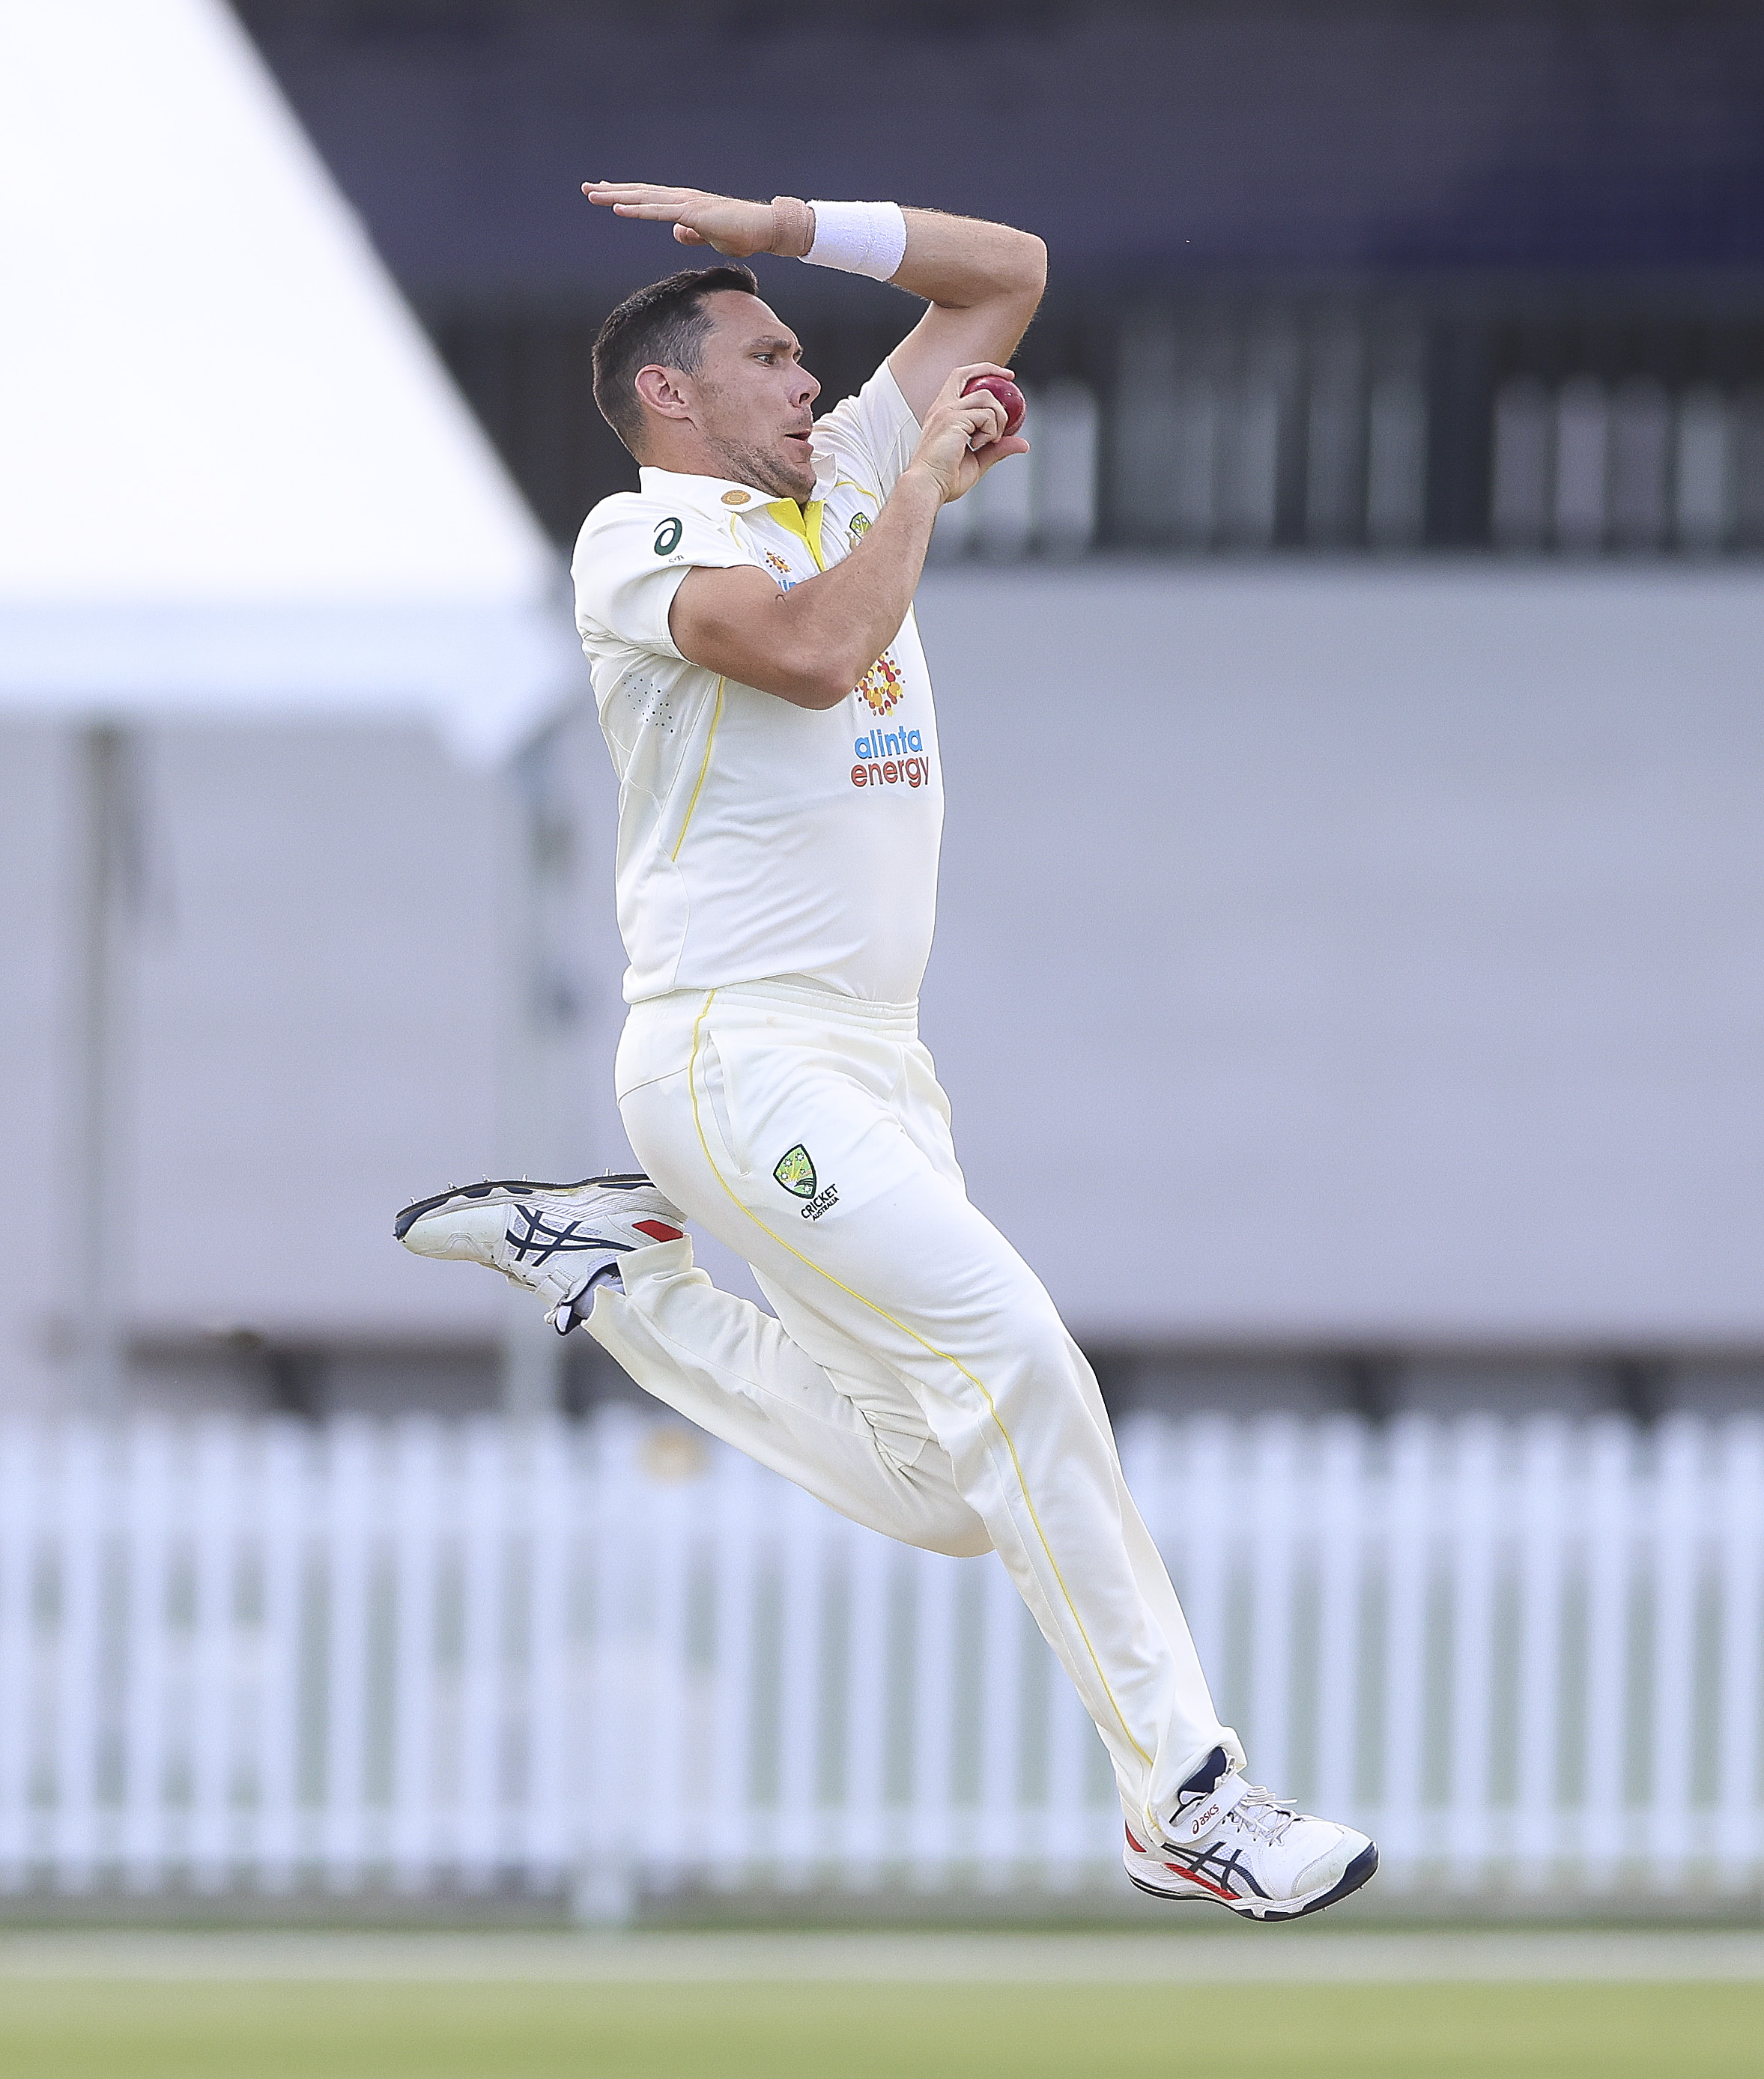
[{"x": 1261, "y": 1814}]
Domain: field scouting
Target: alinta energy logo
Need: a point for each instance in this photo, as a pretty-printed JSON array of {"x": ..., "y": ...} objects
[
  {"x": 881, "y": 686},
  {"x": 891, "y": 758}
]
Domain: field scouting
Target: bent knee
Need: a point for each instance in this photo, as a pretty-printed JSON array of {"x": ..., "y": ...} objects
[{"x": 1040, "y": 1361}]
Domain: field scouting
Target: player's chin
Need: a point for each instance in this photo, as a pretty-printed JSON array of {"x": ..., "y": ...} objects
[{"x": 799, "y": 465}]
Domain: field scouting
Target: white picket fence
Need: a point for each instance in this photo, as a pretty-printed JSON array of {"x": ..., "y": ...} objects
[{"x": 1528, "y": 1657}]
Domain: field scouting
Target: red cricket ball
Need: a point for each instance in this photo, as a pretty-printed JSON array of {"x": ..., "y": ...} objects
[{"x": 1016, "y": 404}]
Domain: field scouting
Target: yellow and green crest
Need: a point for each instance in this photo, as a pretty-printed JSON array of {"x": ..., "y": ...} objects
[{"x": 796, "y": 1173}]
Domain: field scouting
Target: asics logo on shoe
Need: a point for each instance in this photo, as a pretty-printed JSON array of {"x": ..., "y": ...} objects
[
  {"x": 1214, "y": 1791},
  {"x": 532, "y": 1239},
  {"x": 1206, "y": 1868},
  {"x": 1199, "y": 1824},
  {"x": 1223, "y": 1875}
]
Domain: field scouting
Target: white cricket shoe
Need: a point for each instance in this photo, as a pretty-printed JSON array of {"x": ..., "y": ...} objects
[
  {"x": 1230, "y": 1843},
  {"x": 556, "y": 1239}
]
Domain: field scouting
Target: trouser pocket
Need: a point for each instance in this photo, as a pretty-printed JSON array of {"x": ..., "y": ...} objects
[{"x": 716, "y": 1114}]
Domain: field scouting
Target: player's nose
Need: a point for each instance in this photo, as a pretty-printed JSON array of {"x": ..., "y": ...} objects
[{"x": 808, "y": 389}]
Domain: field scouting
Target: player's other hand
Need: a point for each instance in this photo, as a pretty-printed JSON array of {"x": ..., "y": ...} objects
[
  {"x": 961, "y": 438},
  {"x": 724, "y": 223}
]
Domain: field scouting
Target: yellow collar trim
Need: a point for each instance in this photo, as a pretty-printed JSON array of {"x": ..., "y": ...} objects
[{"x": 805, "y": 523}]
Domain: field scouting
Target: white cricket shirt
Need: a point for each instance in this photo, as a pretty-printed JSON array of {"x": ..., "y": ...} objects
[{"x": 759, "y": 841}]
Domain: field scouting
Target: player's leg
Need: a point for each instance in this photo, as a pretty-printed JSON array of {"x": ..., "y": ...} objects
[
  {"x": 796, "y": 1393},
  {"x": 893, "y": 1258},
  {"x": 924, "y": 1112},
  {"x": 946, "y": 1395},
  {"x": 847, "y": 1430},
  {"x": 837, "y": 1424}
]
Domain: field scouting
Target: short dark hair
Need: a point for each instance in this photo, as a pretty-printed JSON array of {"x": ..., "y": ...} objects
[{"x": 664, "y": 323}]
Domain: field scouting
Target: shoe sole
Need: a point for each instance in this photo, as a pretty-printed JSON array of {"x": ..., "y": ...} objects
[
  {"x": 503, "y": 1188},
  {"x": 1358, "y": 1871}
]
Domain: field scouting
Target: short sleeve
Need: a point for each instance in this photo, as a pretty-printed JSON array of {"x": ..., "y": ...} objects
[
  {"x": 629, "y": 563},
  {"x": 872, "y": 435}
]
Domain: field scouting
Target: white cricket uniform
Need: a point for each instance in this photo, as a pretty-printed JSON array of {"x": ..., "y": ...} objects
[{"x": 776, "y": 891}]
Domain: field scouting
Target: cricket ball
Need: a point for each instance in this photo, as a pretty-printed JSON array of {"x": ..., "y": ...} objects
[{"x": 1016, "y": 404}]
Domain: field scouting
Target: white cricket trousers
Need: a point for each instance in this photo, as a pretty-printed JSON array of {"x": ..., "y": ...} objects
[{"x": 917, "y": 1377}]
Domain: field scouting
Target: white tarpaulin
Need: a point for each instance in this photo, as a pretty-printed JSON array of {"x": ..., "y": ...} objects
[{"x": 236, "y": 478}]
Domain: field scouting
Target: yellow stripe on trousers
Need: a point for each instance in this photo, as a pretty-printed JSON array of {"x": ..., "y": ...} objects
[{"x": 943, "y": 1356}]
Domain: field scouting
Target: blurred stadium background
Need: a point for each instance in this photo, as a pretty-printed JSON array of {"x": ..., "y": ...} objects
[{"x": 1348, "y": 982}]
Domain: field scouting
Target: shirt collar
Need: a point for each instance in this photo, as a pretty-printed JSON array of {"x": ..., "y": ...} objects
[{"x": 721, "y": 495}]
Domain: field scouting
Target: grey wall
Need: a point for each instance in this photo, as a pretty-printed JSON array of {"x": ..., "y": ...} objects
[
  {"x": 1361, "y": 954},
  {"x": 317, "y": 1025},
  {"x": 34, "y": 1231},
  {"x": 312, "y": 973},
  {"x": 1326, "y": 957}
]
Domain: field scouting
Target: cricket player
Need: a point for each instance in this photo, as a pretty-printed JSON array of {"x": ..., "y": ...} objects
[{"x": 747, "y": 614}]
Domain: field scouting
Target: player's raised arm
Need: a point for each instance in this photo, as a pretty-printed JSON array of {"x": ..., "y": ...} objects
[
  {"x": 983, "y": 281},
  {"x": 811, "y": 644}
]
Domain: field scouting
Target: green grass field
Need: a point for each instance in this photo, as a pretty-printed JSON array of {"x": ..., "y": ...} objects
[{"x": 106, "y": 2030}]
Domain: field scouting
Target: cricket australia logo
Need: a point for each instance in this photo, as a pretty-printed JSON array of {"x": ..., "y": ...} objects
[{"x": 795, "y": 1172}]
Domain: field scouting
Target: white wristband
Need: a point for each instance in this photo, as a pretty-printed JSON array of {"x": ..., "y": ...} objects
[{"x": 859, "y": 238}]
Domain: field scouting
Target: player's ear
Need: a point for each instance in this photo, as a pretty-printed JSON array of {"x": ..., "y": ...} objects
[{"x": 660, "y": 389}]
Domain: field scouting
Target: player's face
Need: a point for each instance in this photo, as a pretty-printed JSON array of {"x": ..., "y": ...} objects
[{"x": 752, "y": 395}]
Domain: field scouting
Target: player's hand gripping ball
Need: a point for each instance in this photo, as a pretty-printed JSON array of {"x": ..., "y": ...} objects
[{"x": 1015, "y": 402}]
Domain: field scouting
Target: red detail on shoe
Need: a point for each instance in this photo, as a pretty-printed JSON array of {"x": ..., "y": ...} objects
[
  {"x": 1177, "y": 1869},
  {"x": 657, "y": 1230},
  {"x": 1206, "y": 1883}
]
